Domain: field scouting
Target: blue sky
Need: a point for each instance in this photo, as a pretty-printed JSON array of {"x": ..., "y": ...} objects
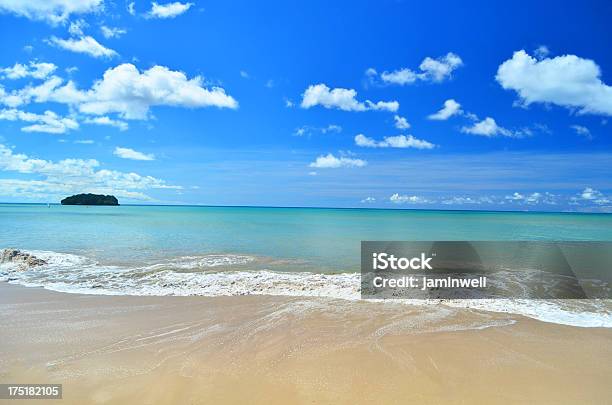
[{"x": 389, "y": 104}]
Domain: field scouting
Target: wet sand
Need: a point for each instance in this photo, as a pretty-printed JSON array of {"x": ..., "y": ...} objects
[{"x": 258, "y": 349}]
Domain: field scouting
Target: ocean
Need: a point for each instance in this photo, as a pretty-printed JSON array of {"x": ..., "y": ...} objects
[{"x": 212, "y": 251}]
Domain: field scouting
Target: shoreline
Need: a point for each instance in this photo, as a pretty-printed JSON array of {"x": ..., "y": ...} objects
[
  {"x": 118, "y": 349},
  {"x": 232, "y": 275}
]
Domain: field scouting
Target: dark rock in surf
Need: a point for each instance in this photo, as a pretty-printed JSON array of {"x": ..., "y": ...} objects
[{"x": 22, "y": 259}]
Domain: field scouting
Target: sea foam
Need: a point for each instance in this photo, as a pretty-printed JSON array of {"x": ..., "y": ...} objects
[{"x": 232, "y": 275}]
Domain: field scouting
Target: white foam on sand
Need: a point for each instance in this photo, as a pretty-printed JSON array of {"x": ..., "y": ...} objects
[{"x": 199, "y": 275}]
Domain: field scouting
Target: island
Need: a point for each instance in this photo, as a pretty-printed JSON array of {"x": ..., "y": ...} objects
[{"x": 90, "y": 199}]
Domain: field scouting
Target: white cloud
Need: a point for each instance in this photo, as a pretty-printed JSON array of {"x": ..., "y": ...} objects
[
  {"x": 84, "y": 44},
  {"x": 590, "y": 194},
  {"x": 112, "y": 32},
  {"x": 549, "y": 198},
  {"x": 589, "y": 197},
  {"x": 40, "y": 93},
  {"x": 168, "y": 10},
  {"x": 71, "y": 176},
  {"x": 131, "y": 8},
  {"x": 515, "y": 197},
  {"x": 408, "y": 199},
  {"x": 441, "y": 68},
  {"x": 487, "y": 127},
  {"x": 364, "y": 141},
  {"x": 541, "y": 52},
  {"x": 36, "y": 70},
  {"x": 533, "y": 198},
  {"x": 460, "y": 200},
  {"x": 309, "y": 130},
  {"x": 401, "y": 122},
  {"x": 84, "y": 141},
  {"x": 343, "y": 99},
  {"x": 581, "y": 130},
  {"x": 432, "y": 70},
  {"x": 76, "y": 27},
  {"x": 383, "y": 105},
  {"x": 399, "y": 141},
  {"x": 104, "y": 120},
  {"x": 53, "y": 190},
  {"x": 127, "y": 153},
  {"x": 331, "y": 128},
  {"x": 451, "y": 107},
  {"x": 594, "y": 196},
  {"x": 448, "y": 200},
  {"x": 48, "y": 122},
  {"x": 568, "y": 81},
  {"x": 401, "y": 77},
  {"x": 244, "y": 74},
  {"x": 330, "y": 161},
  {"x": 127, "y": 92},
  {"x": 51, "y": 11}
]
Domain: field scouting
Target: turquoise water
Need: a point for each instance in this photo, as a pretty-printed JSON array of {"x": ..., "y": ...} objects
[
  {"x": 327, "y": 240},
  {"x": 221, "y": 251}
]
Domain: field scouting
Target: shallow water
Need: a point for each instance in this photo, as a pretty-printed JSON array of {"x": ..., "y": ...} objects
[{"x": 327, "y": 239}]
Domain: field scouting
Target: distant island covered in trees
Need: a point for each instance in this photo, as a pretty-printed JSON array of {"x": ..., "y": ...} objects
[{"x": 90, "y": 199}]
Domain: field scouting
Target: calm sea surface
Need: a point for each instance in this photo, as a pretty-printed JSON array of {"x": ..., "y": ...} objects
[{"x": 324, "y": 239}]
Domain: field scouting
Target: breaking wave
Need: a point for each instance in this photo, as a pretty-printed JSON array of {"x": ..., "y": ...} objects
[{"x": 230, "y": 275}]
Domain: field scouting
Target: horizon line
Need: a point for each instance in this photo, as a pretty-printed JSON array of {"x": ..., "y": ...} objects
[{"x": 319, "y": 207}]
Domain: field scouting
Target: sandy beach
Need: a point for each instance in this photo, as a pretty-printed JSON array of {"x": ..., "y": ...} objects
[{"x": 261, "y": 349}]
